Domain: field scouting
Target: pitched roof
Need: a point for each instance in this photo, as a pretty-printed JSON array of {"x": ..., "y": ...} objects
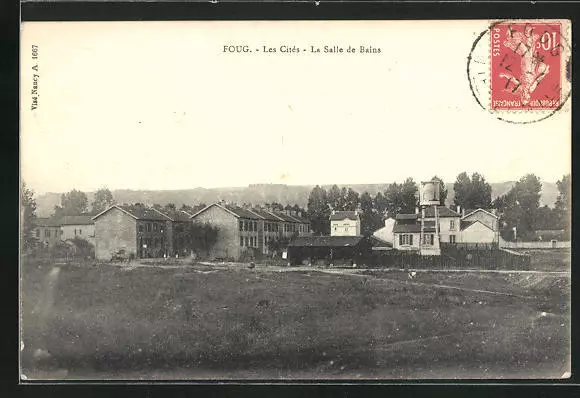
[
  {"x": 285, "y": 217},
  {"x": 142, "y": 212},
  {"x": 46, "y": 222},
  {"x": 442, "y": 212},
  {"x": 242, "y": 213},
  {"x": 341, "y": 215},
  {"x": 406, "y": 216},
  {"x": 326, "y": 241},
  {"x": 175, "y": 215},
  {"x": 414, "y": 227},
  {"x": 472, "y": 211},
  {"x": 266, "y": 215},
  {"x": 467, "y": 224},
  {"x": 236, "y": 211},
  {"x": 76, "y": 220},
  {"x": 138, "y": 212}
]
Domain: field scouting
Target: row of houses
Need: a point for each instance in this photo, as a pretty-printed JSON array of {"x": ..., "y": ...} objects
[{"x": 145, "y": 232}]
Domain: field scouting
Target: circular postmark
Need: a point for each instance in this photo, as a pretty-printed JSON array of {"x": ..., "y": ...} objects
[{"x": 520, "y": 71}]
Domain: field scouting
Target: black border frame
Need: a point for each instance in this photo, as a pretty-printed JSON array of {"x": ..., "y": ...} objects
[{"x": 324, "y": 10}]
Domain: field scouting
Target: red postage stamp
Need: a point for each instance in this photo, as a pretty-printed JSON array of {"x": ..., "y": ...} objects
[{"x": 526, "y": 65}]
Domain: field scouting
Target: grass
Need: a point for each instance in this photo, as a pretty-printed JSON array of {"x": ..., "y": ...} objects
[
  {"x": 232, "y": 322},
  {"x": 549, "y": 259}
]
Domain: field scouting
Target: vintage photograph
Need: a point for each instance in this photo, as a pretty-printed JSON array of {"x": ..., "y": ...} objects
[{"x": 295, "y": 200}]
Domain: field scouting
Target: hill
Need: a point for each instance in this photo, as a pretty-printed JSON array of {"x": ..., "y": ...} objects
[{"x": 257, "y": 194}]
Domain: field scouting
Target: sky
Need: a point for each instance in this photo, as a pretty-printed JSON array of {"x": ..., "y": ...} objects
[{"x": 160, "y": 105}]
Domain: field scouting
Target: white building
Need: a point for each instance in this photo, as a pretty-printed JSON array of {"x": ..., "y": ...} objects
[{"x": 345, "y": 223}]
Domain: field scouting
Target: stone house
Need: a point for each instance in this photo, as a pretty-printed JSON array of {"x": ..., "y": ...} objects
[{"x": 137, "y": 229}]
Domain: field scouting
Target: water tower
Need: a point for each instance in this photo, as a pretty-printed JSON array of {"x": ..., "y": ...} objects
[{"x": 429, "y": 198}]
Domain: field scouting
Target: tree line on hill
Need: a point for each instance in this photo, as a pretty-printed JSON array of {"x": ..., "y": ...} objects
[{"x": 520, "y": 214}]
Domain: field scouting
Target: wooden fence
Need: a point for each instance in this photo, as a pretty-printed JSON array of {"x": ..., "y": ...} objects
[
  {"x": 554, "y": 244},
  {"x": 450, "y": 258}
]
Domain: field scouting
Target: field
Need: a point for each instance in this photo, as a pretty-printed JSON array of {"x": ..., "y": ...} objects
[{"x": 184, "y": 321}]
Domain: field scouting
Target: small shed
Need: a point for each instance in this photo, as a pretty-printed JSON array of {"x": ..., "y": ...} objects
[{"x": 330, "y": 248}]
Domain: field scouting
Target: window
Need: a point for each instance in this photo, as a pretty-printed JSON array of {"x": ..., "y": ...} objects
[
  {"x": 80, "y": 231},
  {"x": 247, "y": 241},
  {"x": 451, "y": 238},
  {"x": 452, "y": 225},
  {"x": 241, "y": 226},
  {"x": 428, "y": 239},
  {"x": 140, "y": 227},
  {"x": 75, "y": 232},
  {"x": 148, "y": 227},
  {"x": 406, "y": 239},
  {"x": 154, "y": 227},
  {"x": 241, "y": 241}
]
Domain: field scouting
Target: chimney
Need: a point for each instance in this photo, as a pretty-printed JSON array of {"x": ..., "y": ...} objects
[
  {"x": 333, "y": 212},
  {"x": 458, "y": 209},
  {"x": 416, "y": 210}
]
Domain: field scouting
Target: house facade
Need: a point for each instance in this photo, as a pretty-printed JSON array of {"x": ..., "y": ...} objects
[
  {"x": 47, "y": 231},
  {"x": 244, "y": 231},
  {"x": 449, "y": 227},
  {"x": 487, "y": 231},
  {"x": 78, "y": 227},
  {"x": 237, "y": 230},
  {"x": 407, "y": 232},
  {"x": 345, "y": 223},
  {"x": 444, "y": 225},
  {"x": 178, "y": 236},
  {"x": 137, "y": 229}
]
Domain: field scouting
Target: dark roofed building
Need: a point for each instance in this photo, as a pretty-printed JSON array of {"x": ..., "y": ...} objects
[{"x": 329, "y": 248}]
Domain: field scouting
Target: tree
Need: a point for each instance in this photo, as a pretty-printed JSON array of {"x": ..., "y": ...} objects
[
  {"x": 442, "y": 189},
  {"x": 27, "y": 216},
  {"x": 103, "y": 200},
  {"x": 351, "y": 200},
  {"x": 472, "y": 193},
  {"x": 73, "y": 203},
  {"x": 334, "y": 197},
  {"x": 563, "y": 203},
  {"x": 318, "y": 211},
  {"x": 519, "y": 209},
  {"x": 203, "y": 236},
  {"x": 380, "y": 203},
  {"x": 409, "y": 191},
  {"x": 393, "y": 199},
  {"x": 371, "y": 219}
]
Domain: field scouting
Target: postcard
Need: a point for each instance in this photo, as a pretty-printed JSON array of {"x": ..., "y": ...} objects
[{"x": 295, "y": 200}]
